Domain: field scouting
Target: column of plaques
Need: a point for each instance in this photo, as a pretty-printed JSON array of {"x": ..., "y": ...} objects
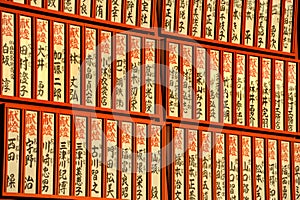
[
  {"x": 121, "y": 70},
  {"x": 291, "y": 69},
  {"x": 150, "y": 74},
  {"x": 30, "y": 148},
  {"x": 106, "y": 69},
  {"x": 273, "y": 169},
  {"x": 285, "y": 170},
  {"x": 59, "y": 62},
  {"x": 69, "y": 6},
  {"x": 200, "y": 99},
  {"x": 173, "y": 82},
  {"x": 96, "y": 140},
  {"x": 116, "y": 10},
  {"x": 266, "y": 92},
  {"x": 136, "y": 82},
  {"x": 214, "y": 83},
  {"x": 187, "y": 69},
  {"x": 234, "y": 165},
  {"x": 80, "y": 155},
  {"x": 260, "y": 168},
  {"x": 126, "y": 160},
  {"x": 146, "y": 13},
  {"x": 296, "y": 170},
  {"x": 237, "y": 21},
  {"x": 13, "y": 149},
  {"x": 247, "y": 167},
  {"x": 112, "y": 157},
  {"x": 197, "y": 18},
  {"x": 183, "y": 17},
  {"x": 131, "y": 14},
  {"x": 101, "y": 9},
  {"x": 240, "y": 89},
  {"x": 253, "y": 91},
  {"x": 75, "y": 64},
  {"x": 179, "y": 162},
  {"x": 90, "y": 67},
  {"x": 85, "y": 8},
  {"x": 156, "y": 164},
  {"x": 141, "y": 161},
  {"x": 25, "y": 56},
  {"x": 8, "y": 51},
  {"x": 42, "y": 80},
  {"x": 170, "y": 15},
  {"x": 206, "y": 147},
  {"x": 224, "y": 20},
  {"x": 64, "y": 171},
  {"x": 210, "y": 19},
  {"x": 249, "y": 22},
  {"x": 193, "y": 158},
  {"x": 48, "y": 144},
  {"x": 220, "y": 165},
  {"x": 279, "y": 95},
  {"x": 227, "y": 87}
]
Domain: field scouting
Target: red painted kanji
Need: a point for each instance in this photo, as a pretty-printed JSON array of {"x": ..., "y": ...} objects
[
  {"x": 111, "y": 132},
  {"x": 173, "y": 54},
  {"x": 271, "y": 150},
  {"x": 126, "y": 133},
  {"x": 285, "y": 152},
  {"x": 187, "y": 56},
  {"x": 178, "y": 139},
  {"x": 64, "y": 126},
  {"x": 140, "y": 135},
  {"x": 58, "y": 34},
  {"x": 90, "y": 39},
  {"x": 149, "y": 51},
  {"x": 232, "y": 146},
  {"x": 246, "y": 147},
  {"x": 291, "y": 73},
  {"x": 200, "y": 58},
  {"x": 259, "y": 148},
  {"x": 80, "y": 125},
  {"x": 253, "y": 67},
  {"x": 31, "y": 124},
  {"x": 7, "y": 25},
  {"x": 214, "y": 60},
  {"x": 192, "y": 141},
  {"x": 74, "y": 35},
  {"x": 220, "y": 144},
  {"x": 240, "y": 64},
  {"x": 135, "y": 48},
  {"x": 120, "y": 45},
  {"x": 265, "y": 69},
  {"x": 227, "y": 62},
  {"x": 47, "y": 124},
  {"x": 42, "y": 31},
  {"x": 105, "y": 46},
  {"x": 24, "y": 28},
  {"x": 155, "y": 136},
  {"x": 278, "y": 71},
  {"x": 13, "y": 121},
  {"x": 206, "y": 142},
  {"x": 96, "y": 130}
]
